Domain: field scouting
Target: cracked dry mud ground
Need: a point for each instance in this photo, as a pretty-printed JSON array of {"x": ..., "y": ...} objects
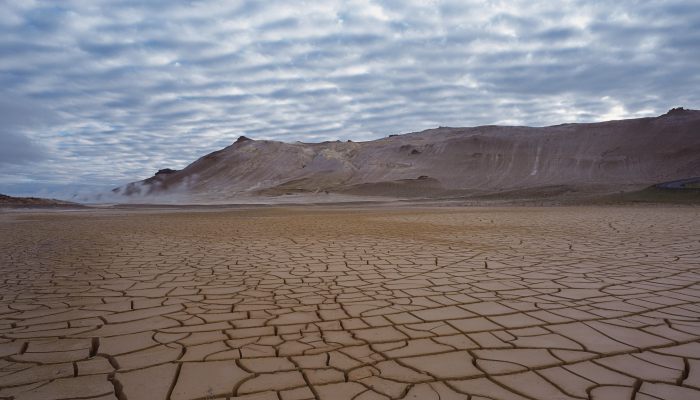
[{"x": 501, "y": 303}]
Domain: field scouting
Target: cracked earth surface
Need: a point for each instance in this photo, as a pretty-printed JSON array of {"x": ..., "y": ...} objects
[{"x": 443, "y": 303}]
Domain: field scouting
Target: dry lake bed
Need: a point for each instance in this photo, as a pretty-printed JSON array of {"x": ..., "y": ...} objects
[{"x": 339, "y": 303}]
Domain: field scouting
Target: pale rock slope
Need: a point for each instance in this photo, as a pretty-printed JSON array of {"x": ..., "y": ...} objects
[{"x": 446, "y": 162}]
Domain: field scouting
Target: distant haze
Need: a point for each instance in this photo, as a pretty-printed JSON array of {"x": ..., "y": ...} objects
[{"x": 94, "y": 94}]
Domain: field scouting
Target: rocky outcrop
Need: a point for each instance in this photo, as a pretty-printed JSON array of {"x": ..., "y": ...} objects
[{"x": 165, "y": 171}]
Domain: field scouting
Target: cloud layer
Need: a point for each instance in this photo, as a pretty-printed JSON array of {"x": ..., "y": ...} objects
[{"x": 104, "y": 92}]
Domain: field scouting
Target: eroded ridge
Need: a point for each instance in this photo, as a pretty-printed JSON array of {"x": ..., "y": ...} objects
[{"x": 521, "y": 303}]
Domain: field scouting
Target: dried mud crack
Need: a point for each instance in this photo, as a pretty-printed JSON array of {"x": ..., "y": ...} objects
[{"x": 332, "y": 303}]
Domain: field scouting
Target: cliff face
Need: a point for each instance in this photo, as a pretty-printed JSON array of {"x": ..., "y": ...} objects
[{"x": 446, "y": 161}]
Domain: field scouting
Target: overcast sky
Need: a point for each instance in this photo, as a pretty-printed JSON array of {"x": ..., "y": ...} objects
[{"x": 105, "y": 92}]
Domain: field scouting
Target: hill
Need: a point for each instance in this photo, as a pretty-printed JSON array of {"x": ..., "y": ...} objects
[
  {"x": 604, "y": 157},
  {"x": 24, "y": 202}
]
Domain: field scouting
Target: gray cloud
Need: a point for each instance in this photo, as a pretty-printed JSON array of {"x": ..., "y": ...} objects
[
  {"x": 19, "y": 117},
  {"x": 16, "y": 148},
  {"x": 135, "y": 86}
]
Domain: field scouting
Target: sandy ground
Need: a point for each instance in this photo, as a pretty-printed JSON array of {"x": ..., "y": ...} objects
[{"x": 337, "y": 303}]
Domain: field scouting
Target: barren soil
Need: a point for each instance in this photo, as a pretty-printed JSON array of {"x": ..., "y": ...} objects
[{"x": 340, "y": 303}]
